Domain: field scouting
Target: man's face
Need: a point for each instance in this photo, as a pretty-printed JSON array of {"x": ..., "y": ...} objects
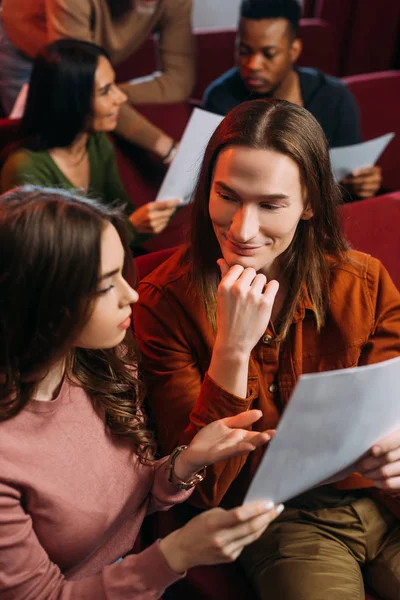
[{"x": 266, "y": 53}]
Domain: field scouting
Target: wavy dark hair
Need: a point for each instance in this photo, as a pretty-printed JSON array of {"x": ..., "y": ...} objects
[
  {"x": 290, "y": 130},
  {"x": 60, "y": 96},
  {"x": 50, "y": 250}
]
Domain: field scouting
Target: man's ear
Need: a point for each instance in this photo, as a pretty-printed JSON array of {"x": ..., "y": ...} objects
[
  {"x": 308, "y": 213},
  {"x": 295, "y": 49}
]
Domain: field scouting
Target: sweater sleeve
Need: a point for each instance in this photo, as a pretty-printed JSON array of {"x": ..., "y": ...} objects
[
  {"x": 27, "y": 573},
  {"x": 115, "y": 190},
  {"x": 66, "y": 18},
  {"x": 21, "y": 169},
  {"x": 175, "y": 80},
  {"x": 182, "y": 399}
]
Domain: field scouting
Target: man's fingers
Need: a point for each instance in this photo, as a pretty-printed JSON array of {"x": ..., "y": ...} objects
[
  {"x": 223, "y": 266},
  {"x": 243, "y": 419},
  {"x": 388, "y": 444}
]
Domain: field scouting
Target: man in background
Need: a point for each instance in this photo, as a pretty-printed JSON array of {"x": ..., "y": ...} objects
[{"x": 268, "y": 47}]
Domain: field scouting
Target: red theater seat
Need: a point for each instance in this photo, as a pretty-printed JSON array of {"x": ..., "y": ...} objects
[
  {"x": 215, "y": 49},
  {"x": 377, "y": 95},
  {"x": 320, "y": 46},
  {"x": 338, "y": 14},
  {"x": 372, "y": 38},
  {"x": 142, "y": 174},
  {"x": 373, "y": 226},
  {"x": 308, "y": 8}
]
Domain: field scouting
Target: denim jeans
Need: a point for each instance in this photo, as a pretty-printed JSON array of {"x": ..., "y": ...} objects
[{"x": 15, "y": 70}]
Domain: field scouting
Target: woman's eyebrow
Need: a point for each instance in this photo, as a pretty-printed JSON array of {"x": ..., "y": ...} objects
[{"x": 109, "y": 274}]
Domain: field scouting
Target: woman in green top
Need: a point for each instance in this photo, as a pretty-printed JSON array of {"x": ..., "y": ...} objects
[{"x": 72, "y": 102}]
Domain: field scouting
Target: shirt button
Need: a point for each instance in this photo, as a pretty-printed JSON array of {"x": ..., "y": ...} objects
[
  {"x": 266, "y": 339},
  {"x": 273, "y": 388}
]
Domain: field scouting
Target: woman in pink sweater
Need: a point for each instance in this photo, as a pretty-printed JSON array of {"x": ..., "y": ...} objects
[{"x": 77, "y": 473}]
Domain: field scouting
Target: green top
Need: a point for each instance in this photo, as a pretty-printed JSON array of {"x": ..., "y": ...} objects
[{"x": 38, "y": 168}]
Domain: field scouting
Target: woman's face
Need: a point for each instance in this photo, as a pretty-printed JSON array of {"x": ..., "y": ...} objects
[
  {"x": 256, "y": 203},
  {"x": 111, "y": 315},
  {"x": 107, "y": 98}
]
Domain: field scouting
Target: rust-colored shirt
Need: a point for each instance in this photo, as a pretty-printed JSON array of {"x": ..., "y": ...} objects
[
  {"x": 31, "y": 24},
  {"x": 362, "y": 327}
]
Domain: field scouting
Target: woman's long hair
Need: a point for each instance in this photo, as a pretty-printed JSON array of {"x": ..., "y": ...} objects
[
  {"x": 290, "y": 130},
  {"x": 50, "y": 251},
  {"x": 60, "y": 96}
]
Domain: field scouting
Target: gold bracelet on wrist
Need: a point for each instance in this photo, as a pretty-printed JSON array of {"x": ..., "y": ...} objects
[{"x": 172, "y": 478}]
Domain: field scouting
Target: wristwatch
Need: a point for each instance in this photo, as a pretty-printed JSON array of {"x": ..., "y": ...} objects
[{"x": 172, "y": 478}]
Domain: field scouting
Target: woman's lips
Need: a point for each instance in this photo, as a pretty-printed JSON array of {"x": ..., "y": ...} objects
[{"x": 125, "y": 324}]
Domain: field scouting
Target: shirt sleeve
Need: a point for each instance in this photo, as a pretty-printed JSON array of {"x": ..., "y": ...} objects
[
  {"x": 21, "y": 169},
  {"x": 68, "y": 18},
  {"x": 214, "y": 101},
  {"x": 27, "y": 573},
  {"x": 348, "y": 129},
  {"x": 384, "y": 297},
  {"x": 175, "y": 80},
  {"x": 182, "y": 397},
  {"x": 115, "y": 190},
  {"x": 164, "y": 494}
]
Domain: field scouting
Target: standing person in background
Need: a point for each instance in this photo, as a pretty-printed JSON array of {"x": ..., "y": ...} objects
[
  {"x": 121, "y": 27},
  {"x": 268, "y": 47},
  {"x": 72, "y": 102}
]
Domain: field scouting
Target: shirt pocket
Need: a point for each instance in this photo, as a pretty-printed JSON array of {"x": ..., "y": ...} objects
[{"x": 332, "y": 358}]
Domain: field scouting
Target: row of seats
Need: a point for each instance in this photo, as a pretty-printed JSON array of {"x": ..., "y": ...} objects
[
  {"x": 342, "y": 38},
  {"x": 373, "y": 92},
  {"x": 370, "y": 226},
  {"x": 367, "y": 32},
  {"x": 142, "y": 174}
]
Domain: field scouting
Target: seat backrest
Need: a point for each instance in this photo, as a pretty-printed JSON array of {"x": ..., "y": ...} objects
[
  {"x": 215, "y": 51},
  {"x": 9, "y": 132},
  {"x": 377, "y": 97},
  {"x": 338, "y": 14},
  {"x": 320, "y": 46},
  {"x": 373, "y": 37},
  {"x": 146, "y": 263},
  {"x": 308, "y": 9},
  {"x": 373, "y": 226}
]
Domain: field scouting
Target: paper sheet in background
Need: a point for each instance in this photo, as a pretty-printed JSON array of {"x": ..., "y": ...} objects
[
  {"x": 182, "y": 175},
  {"x": 347, "y": 159},
  {"x": 332, "y": 419}
]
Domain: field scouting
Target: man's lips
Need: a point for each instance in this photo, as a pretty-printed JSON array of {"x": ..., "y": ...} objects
[
  {"x": 255, "y": 82},
  {"x": 243, "y": 249}
]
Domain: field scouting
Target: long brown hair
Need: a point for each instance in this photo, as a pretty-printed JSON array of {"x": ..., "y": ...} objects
[
  {"x": 50, "y": 249},
  {"x": 290, "y": 130}
]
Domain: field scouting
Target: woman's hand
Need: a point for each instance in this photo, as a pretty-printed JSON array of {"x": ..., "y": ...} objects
[
  {"x": 382, "y": 464},
  {"x": 153, "y": 217},
  {"x": 219, "y": 441},
  {"x": 217, "y": 535},
  {"x": 244, "y": 306}
]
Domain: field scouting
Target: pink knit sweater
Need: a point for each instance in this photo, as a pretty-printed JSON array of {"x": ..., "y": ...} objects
[{"x": 72, "y": 500}]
